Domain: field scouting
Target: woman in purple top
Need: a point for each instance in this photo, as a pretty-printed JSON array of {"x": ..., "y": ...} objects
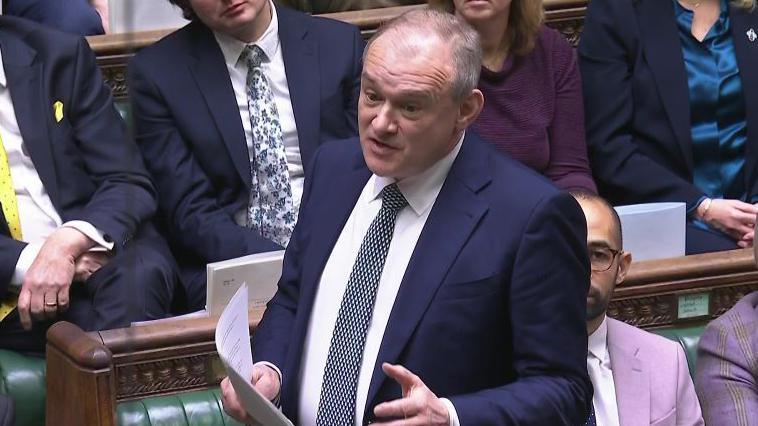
[{"x": 532, "y": 92}]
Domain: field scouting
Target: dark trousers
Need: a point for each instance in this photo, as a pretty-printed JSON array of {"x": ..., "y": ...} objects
[
  {"x": 71, "y": 16},
  {"x": 137, "y": 284},
  {"x": 699, "y": 240}
]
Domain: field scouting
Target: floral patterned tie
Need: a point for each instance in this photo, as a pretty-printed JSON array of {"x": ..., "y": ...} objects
[{"x": 271, "y": 210}]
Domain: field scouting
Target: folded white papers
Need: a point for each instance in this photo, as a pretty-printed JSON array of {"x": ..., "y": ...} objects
[
  {"x": 261, "y": 271},
  {"x": 233, "y": 346},
  {"x": 653, "y": 230}
]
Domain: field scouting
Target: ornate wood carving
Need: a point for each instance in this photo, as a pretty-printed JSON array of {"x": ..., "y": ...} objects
[
  {"x": 570, "y": 28},
  {"x": 167, "y": 375}
]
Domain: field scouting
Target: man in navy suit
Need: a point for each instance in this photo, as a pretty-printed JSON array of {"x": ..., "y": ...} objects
[
  {"x": 228, "y": 112},
  {"x": 430, "y": 280},
  {"x": 75, "y": 240}
]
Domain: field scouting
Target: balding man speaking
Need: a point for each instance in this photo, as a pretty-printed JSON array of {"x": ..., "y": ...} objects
[{"x": 429, "y": 280}]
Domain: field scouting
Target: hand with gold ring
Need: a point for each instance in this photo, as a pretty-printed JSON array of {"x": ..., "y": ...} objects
[{"x": 45, "y": 288}]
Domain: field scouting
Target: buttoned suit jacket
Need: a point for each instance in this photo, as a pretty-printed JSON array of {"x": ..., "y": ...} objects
[
  {"x": 189, "y": 129},
  {"x": 490, "y": 311},
  {"x": 651, "y": 378}
]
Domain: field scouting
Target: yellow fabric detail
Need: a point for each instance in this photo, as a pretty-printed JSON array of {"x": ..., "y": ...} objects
[
  {"x": 58, "y": 110},
  {"x": 10, "y": 210}
]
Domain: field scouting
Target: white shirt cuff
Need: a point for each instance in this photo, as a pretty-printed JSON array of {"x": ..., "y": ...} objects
[
  {"x": 90, "y": 231},
  {"x": 28, "y": 254},
  {"x": 275, "y": 368},
  {"x": 453, "y": 415}
]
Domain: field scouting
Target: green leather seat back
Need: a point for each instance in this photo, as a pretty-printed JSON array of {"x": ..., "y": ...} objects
[
  {"x": 199, "y": 408},
  {"x": 688, "y": 337},
  {"x": 22, "y": 378}
]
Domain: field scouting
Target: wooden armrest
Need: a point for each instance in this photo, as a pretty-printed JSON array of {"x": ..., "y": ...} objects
[{"x": 83, "y": 349}]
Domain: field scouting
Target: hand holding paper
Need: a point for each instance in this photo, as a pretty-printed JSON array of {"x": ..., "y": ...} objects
[{"x": 244, "y": 399}]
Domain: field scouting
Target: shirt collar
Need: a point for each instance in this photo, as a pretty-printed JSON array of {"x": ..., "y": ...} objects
[
  {"x": 598, "y": 341},
  {"x": 421, "y": 190},
  {"x": 268, "y": 42}
]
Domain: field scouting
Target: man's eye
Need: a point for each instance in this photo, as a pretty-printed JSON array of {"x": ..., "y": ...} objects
[
  {"x": 373, "y": 97},
  {"x": 410, "y": 108}
]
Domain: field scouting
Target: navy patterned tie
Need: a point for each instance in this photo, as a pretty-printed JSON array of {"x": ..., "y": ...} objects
[
  {"x": 271, "y": 210},
  {"x": 337, "y": 402},
  {"x": 591, "y": 421}
]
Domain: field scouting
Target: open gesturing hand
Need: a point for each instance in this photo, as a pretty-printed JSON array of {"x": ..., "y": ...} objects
[{"x": 418, "y": 406}]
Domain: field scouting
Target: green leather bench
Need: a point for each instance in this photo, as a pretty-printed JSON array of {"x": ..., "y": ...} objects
[
  {"x": 23, "y": 379},
  {"x": 192, "y": 408}
]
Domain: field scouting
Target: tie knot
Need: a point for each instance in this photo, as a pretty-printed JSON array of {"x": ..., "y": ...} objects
[
  {"x": 392, "y": 198},
  {"x": 254, "y": 55}
]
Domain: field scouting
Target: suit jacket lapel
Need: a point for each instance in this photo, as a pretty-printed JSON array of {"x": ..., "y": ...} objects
[
  {"x": 212, "y": 78},
  {"x": 663, "y": 52},
  {"x": 630, "y": 379},
  {"x": 333, "y": 208},
  {"x": 301, "y": 65},
  {"x": 33, "y": 111},
  {"x": 747, "y": 60},
  {"x": 455, "y": 214}
]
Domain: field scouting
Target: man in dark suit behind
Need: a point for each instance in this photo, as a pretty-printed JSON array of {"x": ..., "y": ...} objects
[
  {"x": 75, "y": 240},
  {"x": 228, "y": 112},
  {"x": 429, "y": 280}
]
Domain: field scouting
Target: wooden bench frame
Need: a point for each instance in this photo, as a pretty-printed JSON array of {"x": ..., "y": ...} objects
[{"x": 88, "y": 374}]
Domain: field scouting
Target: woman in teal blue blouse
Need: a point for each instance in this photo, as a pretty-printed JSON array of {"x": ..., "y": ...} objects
[{"x": 672, "y": 110}]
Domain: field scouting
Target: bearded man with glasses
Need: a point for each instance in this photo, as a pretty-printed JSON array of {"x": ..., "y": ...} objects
[{"x": 639, "y": 378}]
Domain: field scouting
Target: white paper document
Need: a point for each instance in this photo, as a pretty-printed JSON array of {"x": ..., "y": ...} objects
[
  {"x": 261, "y": 271},
  {"x": 653, "y": 230},
  {"x": 233, "y": 346}
]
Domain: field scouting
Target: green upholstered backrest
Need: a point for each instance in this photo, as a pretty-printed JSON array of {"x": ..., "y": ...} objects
[
  {"x": 688, "y": 337},
  {"x": 22, "y": 378},
  {"x": 190, "y": 409}
]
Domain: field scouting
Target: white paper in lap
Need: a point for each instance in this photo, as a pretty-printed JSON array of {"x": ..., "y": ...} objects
[{"x": 233, "y": 346}]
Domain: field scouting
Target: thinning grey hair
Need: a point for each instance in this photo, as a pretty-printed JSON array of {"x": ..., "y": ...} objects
[{"x": 459, "y": 36}]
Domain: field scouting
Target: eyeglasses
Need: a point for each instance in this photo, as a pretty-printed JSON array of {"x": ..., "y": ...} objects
[{"x": 601, "y": 258}]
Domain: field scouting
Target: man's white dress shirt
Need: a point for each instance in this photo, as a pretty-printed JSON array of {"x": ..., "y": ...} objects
[
  {"x": 421, "y": 192},
  {"x": 36, "y": 212},
  {"x": 599, "y": 369},
  {"x": 277, "y": 78}
]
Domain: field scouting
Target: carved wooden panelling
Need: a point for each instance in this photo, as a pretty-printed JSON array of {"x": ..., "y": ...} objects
[
  {"x": 644, "y": 311},
  {"x": 168, "y": 375},
  {"x": 662, "y": 310},
  {"x": 570, "y": 28}
]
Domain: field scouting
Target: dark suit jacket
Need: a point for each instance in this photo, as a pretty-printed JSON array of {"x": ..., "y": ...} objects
[
  {"x": 189, "y": 130},
  {"x": 491, "y": 309},
  {"x": 90, "y": 169},
  {"x": 637, "y": 101}
]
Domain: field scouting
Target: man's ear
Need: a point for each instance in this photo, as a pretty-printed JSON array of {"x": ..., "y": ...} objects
[
  {"x": 625, "y": 261},
  {"x": 469, "y": 109}
]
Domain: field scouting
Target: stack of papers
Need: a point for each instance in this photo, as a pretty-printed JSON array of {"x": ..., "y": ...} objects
[{"x": 261, "y": 271}]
